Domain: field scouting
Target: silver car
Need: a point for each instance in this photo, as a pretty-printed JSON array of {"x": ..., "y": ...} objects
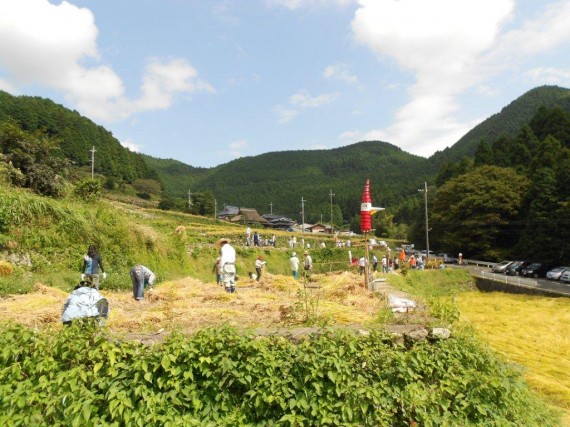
[
  {"x": 555, "y": 273},
  {"x": 565, "y": 277},
  {"x": 501, "y": 266}
]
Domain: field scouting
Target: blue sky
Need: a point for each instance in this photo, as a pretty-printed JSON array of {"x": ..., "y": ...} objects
[{"x": 207, "y": 81}]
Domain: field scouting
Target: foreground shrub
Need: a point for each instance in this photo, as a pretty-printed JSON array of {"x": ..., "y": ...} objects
[{"x": 218, "y": 377}]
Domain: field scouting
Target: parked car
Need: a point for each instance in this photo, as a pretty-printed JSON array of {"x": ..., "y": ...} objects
[
  {"x": 536, "y": 269},
  {"x": 447, "y": 259},
  {"x": 501, "y": 266},
  {"x": 515, "y": 269},
  {"x": 555, "y": 273},
  {"x": 565, "y": 277}
]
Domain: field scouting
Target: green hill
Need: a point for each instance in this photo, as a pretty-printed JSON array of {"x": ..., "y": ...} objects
[
  {"x": 78, "y": 135},
  {"x": 283, "y": 178},
  {"x": 177, "y": 177},
  {"x": 507, "y": 122}
]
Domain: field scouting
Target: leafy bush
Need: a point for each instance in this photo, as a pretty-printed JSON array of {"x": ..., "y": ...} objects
[
  {"x": 88, "y": 189},
  {"x": 218, "y": 377}
]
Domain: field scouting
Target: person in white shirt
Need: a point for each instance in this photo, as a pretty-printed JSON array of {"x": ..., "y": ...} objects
[
  {"x": 294, "y": 262},
  {"x": 248, "y": 236},
  {"x": 384, "y": 264},
  {"x": 228, "y": 260},
  {"x": 361, "y": 265},
  {"x": 308, "y": 265},
  {"x": 259, "y": 263}
]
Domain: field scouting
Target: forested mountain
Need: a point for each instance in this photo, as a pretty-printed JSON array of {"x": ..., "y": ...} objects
[
  {"x": 77, "y": 135},
  {"x": 283, "y": 178},
  {"x": 177, "y": 177},
  {"x": 505, "y": 123}
]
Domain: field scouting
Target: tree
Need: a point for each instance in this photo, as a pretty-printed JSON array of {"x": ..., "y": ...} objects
[
  {"x": 472, "y": 212},
  {"x": 539, "y": 238},
  {"x": 36, "y": 156}
]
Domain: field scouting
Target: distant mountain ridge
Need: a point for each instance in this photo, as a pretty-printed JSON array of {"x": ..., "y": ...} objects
[
  {"x": 507, "y": 122},
  {"x": 280, "y": 180}
]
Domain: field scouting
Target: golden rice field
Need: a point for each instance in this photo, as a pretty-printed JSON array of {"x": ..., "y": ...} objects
[
  {"x": 532, "y": 331},
  {"x": 189, "y": 304}
]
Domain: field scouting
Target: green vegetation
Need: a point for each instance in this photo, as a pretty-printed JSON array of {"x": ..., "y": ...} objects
[
  {"x": 506, "y": 123},
  {"x": 219, "y": 377},
  {"x": 78, "y": 135},
  {"x": 514, "y": 199},
  {"x": 55, "y": 233}
]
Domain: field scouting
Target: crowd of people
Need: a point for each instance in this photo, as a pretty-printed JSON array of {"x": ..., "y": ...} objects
[{"x": 93, "y": 272}]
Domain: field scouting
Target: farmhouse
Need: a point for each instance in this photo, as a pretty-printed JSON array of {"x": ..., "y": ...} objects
[
  {"x": 248, "y": 216},
  {"x": 279, "y": 222}
]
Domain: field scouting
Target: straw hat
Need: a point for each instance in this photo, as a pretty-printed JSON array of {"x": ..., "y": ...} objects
[
  {"x": 306, "y": 253},
  {"x": 223, "y": 240}
]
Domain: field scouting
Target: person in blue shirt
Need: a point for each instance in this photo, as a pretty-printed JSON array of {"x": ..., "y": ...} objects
[{"x": 92, "y": 263}]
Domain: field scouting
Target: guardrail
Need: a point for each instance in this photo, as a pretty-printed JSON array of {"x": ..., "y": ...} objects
[
  {"x": 478, "y": 263},
  {"x": 512, "y": 280}
]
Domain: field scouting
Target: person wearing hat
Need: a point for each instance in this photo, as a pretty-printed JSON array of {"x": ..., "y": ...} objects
[
  {"x": 259, "y": 263},
  {"x": 294, "y": 262},
  {"x": 228, "y": 261},
  {"x": 307, "y": 264}
]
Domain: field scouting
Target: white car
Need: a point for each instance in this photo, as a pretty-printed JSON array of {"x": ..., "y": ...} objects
[
  {"x": 501, "y": 266},
  {"x": 556, "y": 273},
  {"x": 565, "y": 277}
]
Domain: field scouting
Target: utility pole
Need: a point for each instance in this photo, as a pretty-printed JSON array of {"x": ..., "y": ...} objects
[
  {"x": 303, "y": 213},
  {"x": 425, "y": 191},
  {"x": 189, "y": 199},
  {"x": 332, "y": 227},
  {"x": 271, "y": 207},
  {"x": 215, "y": 209},
  {"x": 92, "y": 151}
]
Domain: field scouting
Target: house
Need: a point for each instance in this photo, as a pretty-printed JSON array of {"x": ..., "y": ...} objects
[
  {"x": 279, "y": 222},
  {"x": 228, "y": 212},
  {"x": 316, "y": 228},
  {"x": 248, "y": 216}
]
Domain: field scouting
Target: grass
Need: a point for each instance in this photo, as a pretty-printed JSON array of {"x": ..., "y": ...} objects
[{"x": 532, "y": 331}]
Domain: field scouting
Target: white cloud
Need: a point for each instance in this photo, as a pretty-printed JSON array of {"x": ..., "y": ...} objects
[
  {"x": 440, "y": 41},
  {"x": 451, "y": 47},
  {"x": 284, "y": 114},
  {"x": 302, "y": 101},
  {"x": 340, "y": 72},
  {"x": 239, "y": 144},
  {"x": 549, "y": 75},
  {"x": 298, "y": 4},
  {"x": 128, "y": 143},
  {"x": 47, "y": 45}
]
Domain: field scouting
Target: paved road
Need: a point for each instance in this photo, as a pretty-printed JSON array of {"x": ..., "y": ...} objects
[{"x": 554, "y": 287}]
